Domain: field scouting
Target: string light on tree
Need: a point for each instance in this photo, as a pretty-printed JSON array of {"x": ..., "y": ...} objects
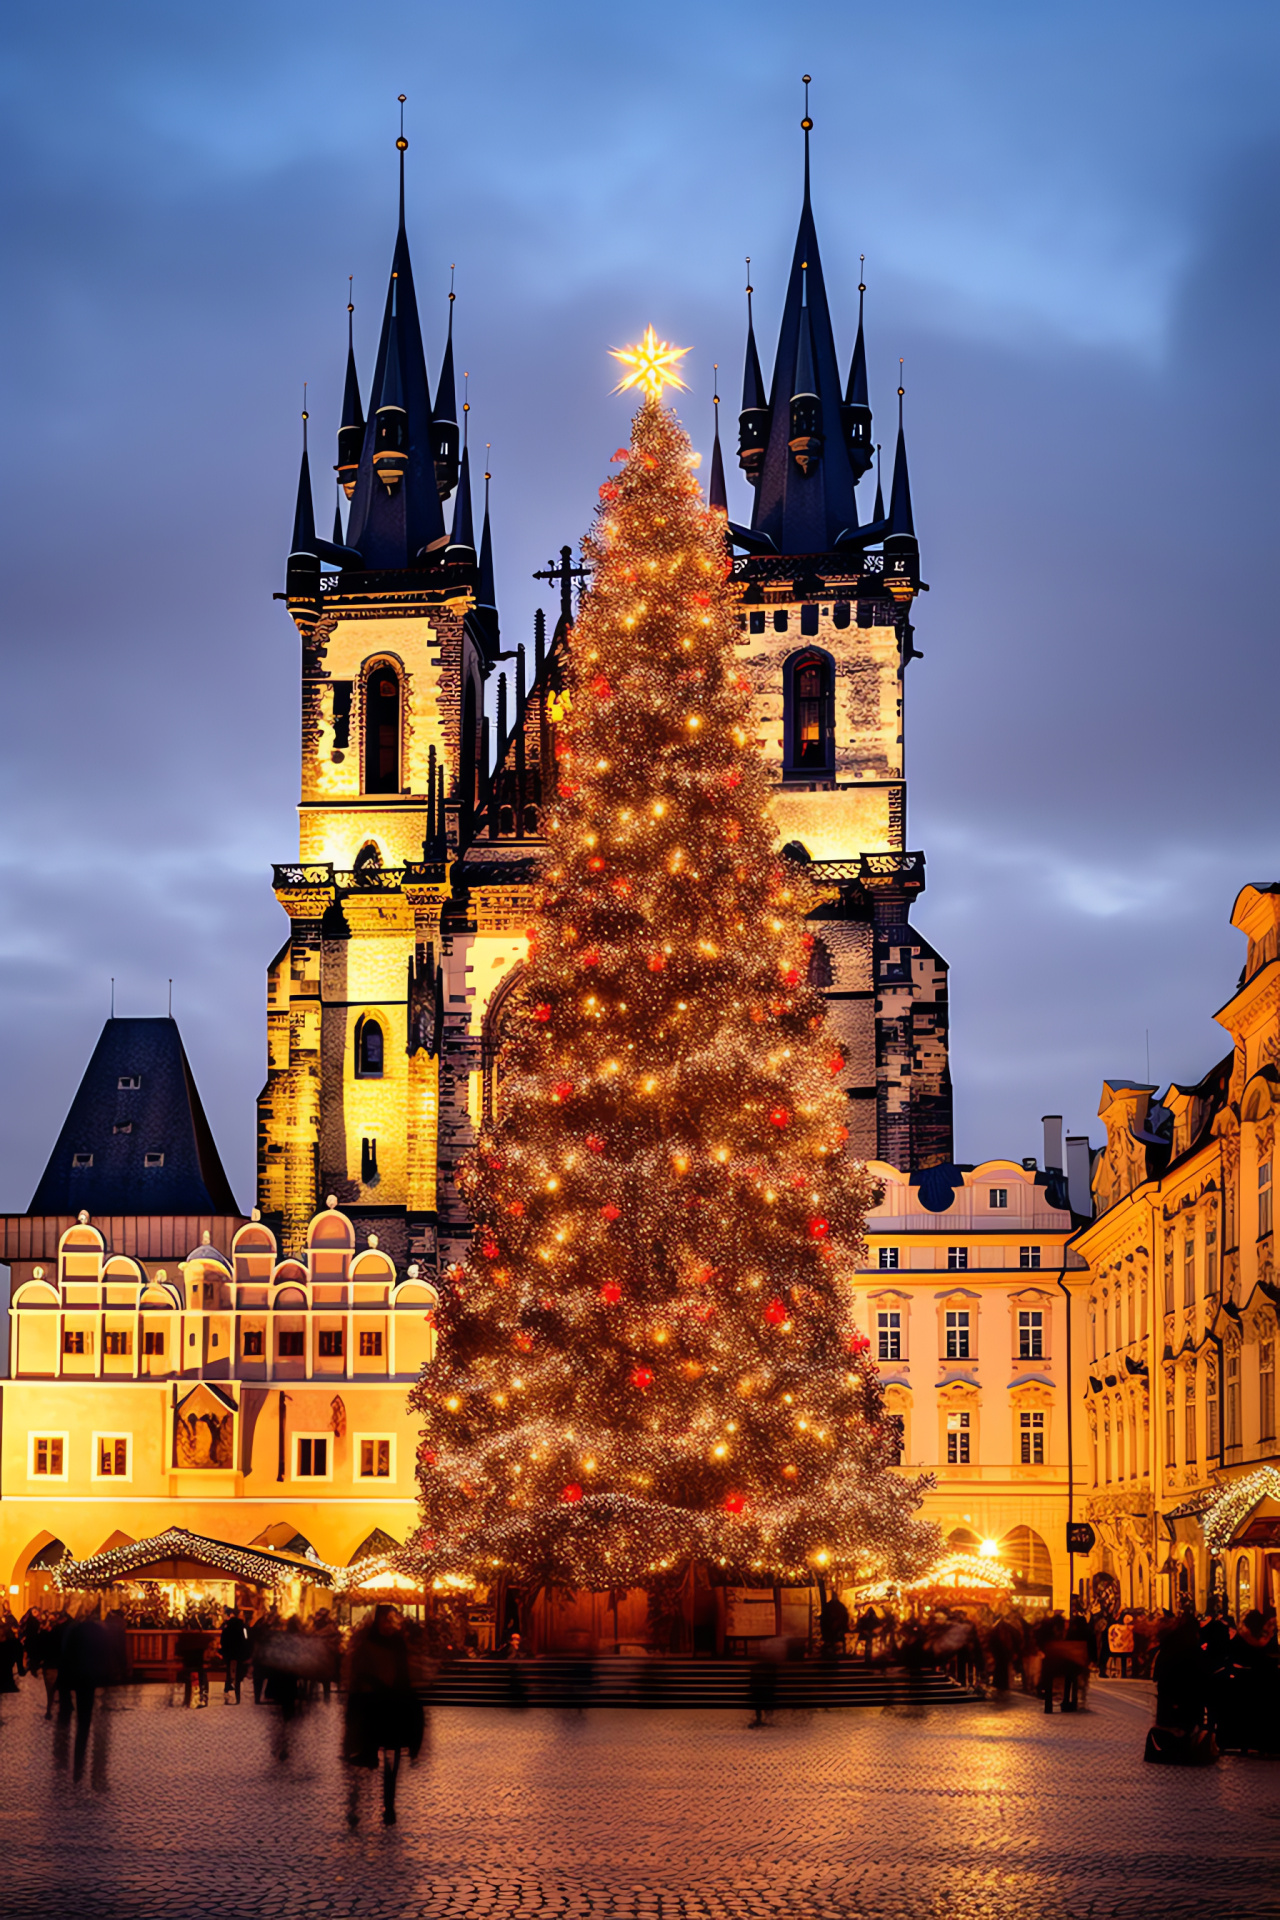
[{"x": 668, "y": 1222}]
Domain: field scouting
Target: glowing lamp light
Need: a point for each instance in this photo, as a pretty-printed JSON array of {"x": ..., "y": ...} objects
[
  {"x": 571, "y": 1494},
  {"x": 989, "y": 1549}
]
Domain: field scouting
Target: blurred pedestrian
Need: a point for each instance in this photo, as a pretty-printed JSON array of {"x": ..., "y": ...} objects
[
  {"x": 193, "y": 1644},
  {"x": 383, "y": 1715},
  {"x": 233, "y": 1644}
]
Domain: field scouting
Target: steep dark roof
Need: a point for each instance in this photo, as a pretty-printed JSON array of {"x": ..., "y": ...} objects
[{"x": 163, "y": 1114}]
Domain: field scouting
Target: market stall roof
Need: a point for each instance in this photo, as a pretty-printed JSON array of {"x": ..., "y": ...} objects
[
  {"x": 1233, "y": 1505},
  {"x": 964, "y": 1571},
  {"x": 177, "y": 1554}
]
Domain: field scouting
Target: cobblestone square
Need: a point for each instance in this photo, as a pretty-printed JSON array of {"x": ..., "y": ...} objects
[{"x": 985, "y": 1810}]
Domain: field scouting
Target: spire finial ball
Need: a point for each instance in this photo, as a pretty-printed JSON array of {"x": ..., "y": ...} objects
[
  {"x": 807, "y": 124},
  {"x": 402, "y": 144}
]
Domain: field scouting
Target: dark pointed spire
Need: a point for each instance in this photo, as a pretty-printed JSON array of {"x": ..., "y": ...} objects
[
  {"x": 486, "y": 593},
  {"x": 462, "y": 545},
  {"x": 900, "y": 517},
  {"x": 856, "y": 411},
  {"x": 878, "y": 514},
  {"x": 753, "y": 420},
  {"x": 805, "y": 497},
  {"x": 401, "y": 526},
  {"x": 338, "y": 537},
  {"x": 304, "y": 516},
  {"x": 445, "y": 418},
  {"x": 351, "y": 428},
  {"x": 302, "y": 572},
  {"x": 717, "y": 498}
]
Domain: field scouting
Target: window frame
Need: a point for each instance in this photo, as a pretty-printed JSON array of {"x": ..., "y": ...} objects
[
  {"x": 361, "y": 1071},
  {"x": 888, "y": 1260},
  {"x": 793, "y": 765},
  {"x": 959, "y": 1436},
  {"x": 63, "y": 1439},
  {"x": 1029, "y": 1259},
  {"x": 330, "y": 1351},
  {"x": 326, "y": 1437},
  {"x": 359, "y": 1441},
  {"x": 150, "y": 1352},
  {"x": 1032, "y": 1334},
  {"x": 957, "y": 1333},
  {"x": 374, "y": 1352},
  {"x": 888, "y": 1335},
  {"x": 291, "y": 1333},
  {"x": 1033, "y": 1428},
  {"x": 111, "y": 1438},
  {"x": 258, "y": 1352},
  {"x": 998, "y": 1199},
  {"x": 957, "y": 1259}
]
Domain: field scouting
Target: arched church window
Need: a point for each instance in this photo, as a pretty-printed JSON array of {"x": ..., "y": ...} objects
[
  {"x": 369, "y": 1050},
  {"x": 808, "y": 695},
  {"x": 382, "y": 730}
]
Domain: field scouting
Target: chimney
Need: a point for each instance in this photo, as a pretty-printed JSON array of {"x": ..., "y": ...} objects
[
  {"x": 1052, "y": 1123},
  {"x": 1079, "y": 1168}
]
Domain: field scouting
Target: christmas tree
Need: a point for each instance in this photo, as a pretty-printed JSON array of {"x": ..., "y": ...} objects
[{"x": 650, "y": 1356}]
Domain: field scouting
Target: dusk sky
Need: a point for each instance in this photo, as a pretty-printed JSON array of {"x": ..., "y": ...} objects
[{"x": 1071, "y": 218}]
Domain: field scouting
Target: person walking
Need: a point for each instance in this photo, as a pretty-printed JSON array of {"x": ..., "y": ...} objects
[
  {"x": 1120, "y": 1644},
  {"x": 193, "y": 1644},
  {"x": 868, "y": 1627},
  {"x": 233, "y": 1644},
  {"x": 383, "y": 1716},
  {"x": 1077, "y": 1652}
]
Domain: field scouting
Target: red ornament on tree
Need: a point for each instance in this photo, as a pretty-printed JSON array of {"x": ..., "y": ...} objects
[
  {"x": 819, "y": 1228},
  {"x": 542, "y": 1013},
  {"x": 775, "y": 1313},
  {"x": 610, "y": 1212},
  {"x": 562, "y": 1091},
  {"x": 611, "y": 1293},
  {"x": 780, "y": 1117},
  {"x": 591, "y": 957},
  {"x": 836, "y": 1063},
  {"x": 594, "y": 1143},
  {"x": 657, "y": 961},
  {"x": 427, "y": 1455},
  {"x": 642, "y": 1378},
  {"x": 571, "y": 1494},
  {"x": 489, "y": 1248},
  {"x": 734, "y": 1502}
]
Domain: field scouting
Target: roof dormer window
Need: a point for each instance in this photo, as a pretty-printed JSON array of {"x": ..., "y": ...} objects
[
  {"x": 129, "y": 1082},
  {"x": 82, "y": 1159},
  {"x": 153, "y": 1159},
  {"x": 123, "y": 1126}
]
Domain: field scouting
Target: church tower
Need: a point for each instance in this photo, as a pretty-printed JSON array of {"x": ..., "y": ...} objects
[
  {"x": 399, "y": 632},
  {"x": 826, "y": 638}
]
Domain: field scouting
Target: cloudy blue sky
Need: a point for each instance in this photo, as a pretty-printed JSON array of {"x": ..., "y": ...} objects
[{"x": 1070, "y": 215}]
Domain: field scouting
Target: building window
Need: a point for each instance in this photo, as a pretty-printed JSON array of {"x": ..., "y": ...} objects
[
  {"x": 1189, "y": 1274},
  {"x": 129, "y": 1082},
  {"x": 82, "y": 1159},
  {"x": 1267, "y": 1389},
  {"x": 313, "y": 1457},
  {"x": 382, "y": 731},
  {"x": 253, "y": 1343},
  {"x": 1030, "y": 1334},
  {"x": 74, "y": 1340},
  {"x": 997, "y": 1196},
  {"x": 889, "y": 1335},
  {"x": 780, "y": 620},
  {"x": 812, "y": 715},
  {"x": 375, "y": 1459},
  {"x": 1029, "y": 1258},
  {"x": 888, "y": 1259},
  {"x": 370, "y": 1346},
  {"x": 1233, "y": 1399},
  {"x": 957, "y": 1327},
  {"x": 957, "y": 1440},
  {"x": 369, "y": 1050},
  {"x": 896, "y": 1430},
  {"x": 289, "y": 1346},
  {"x": 1191, "y": 1451},
  {"x": 958, "y": 1259},
  {"x": 1264, "y": 1198},
  {"x": 757, "y": 620},
  {"x": 1211, "y": 1263},
  {"x": 1171, "y": 1435},
  {"x": 1211, "y": 1416},
  {"x": 1031, "y": 1439},
  {"x": 331, "y": 1343},
  {"x": 117, "y": 1343},
  {"x": 111, "y": 1451},
  {"x": 341, "y": 715},
  {"x": 153, "y": 1342},
  {"x": 48, "y": 1456}
]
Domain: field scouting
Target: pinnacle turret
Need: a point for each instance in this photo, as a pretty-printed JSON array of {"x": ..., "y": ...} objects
[
  {"x": 856, "y": 411},
  {"x": 717, "y": 497},
  {"x": 445, "y": 418},
  {"x": 351, "y": 430}
]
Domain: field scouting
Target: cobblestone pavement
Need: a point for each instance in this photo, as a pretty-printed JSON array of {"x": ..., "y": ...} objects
[{"x": 963, "y": 1813}]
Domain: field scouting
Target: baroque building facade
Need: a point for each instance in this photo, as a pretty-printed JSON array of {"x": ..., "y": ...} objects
[{"x": 1176, "y": 1316}]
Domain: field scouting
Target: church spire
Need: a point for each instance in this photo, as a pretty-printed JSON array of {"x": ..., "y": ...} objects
[
  {"x": 462, "y": 545},
  {"x": 399, "y": 525},
  {"x": 753, "y": 421},
  {"x": 302, "y": 571},
  {"x": 878, "y": 512},
  {"x": 717, "y": 498},
  {"x": 856, "y": 411},
  {"x": 900, "y": 516},
  {"x": 486, "y": 593},
  {"x": 445, "y": 418},
  {"x": 351, "y": 429},
  {"x": 805, "y": 495}
]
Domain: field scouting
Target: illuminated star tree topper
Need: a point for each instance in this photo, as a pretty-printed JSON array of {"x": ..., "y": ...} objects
[{"x": 653, "y": 365}]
